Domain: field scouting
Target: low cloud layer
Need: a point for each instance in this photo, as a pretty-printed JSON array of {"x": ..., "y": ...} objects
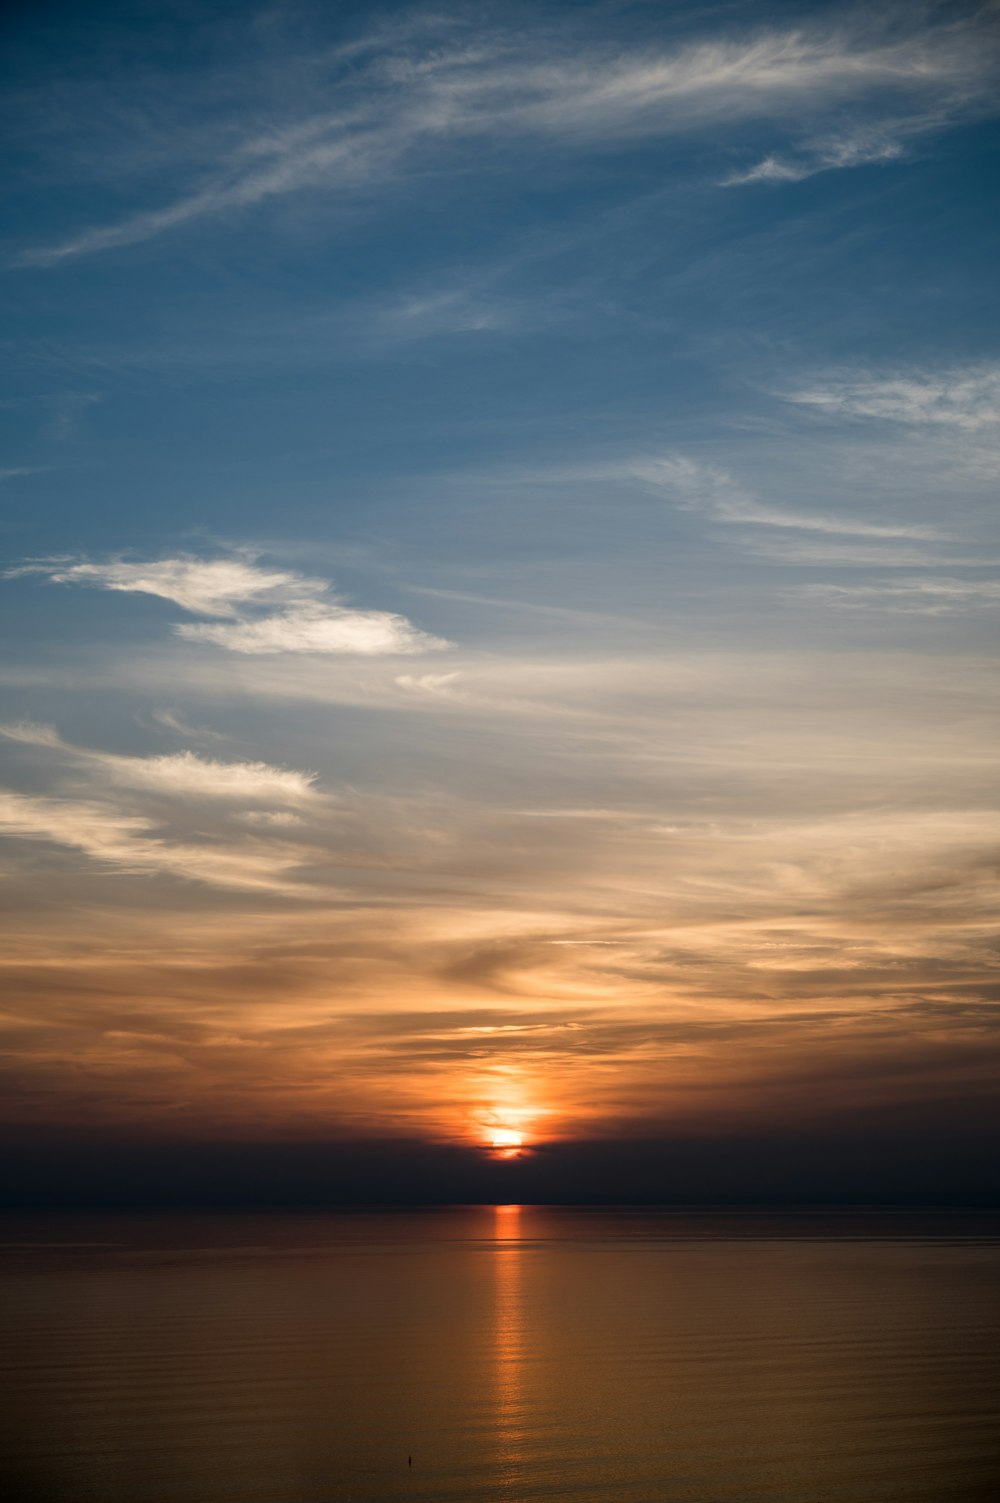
[{"x": 665, "y": 892}]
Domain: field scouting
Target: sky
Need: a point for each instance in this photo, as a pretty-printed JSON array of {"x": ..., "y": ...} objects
[{"x": 500, "y": 583}]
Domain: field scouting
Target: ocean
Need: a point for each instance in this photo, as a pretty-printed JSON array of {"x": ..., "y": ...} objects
[{"x": 500, "y": 1355}]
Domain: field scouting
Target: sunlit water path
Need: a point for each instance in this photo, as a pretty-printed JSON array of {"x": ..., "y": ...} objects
[{"x": 515, "y": 1353}]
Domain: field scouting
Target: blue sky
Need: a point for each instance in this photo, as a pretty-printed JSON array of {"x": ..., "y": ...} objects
[{"x": 516, "y": 485}]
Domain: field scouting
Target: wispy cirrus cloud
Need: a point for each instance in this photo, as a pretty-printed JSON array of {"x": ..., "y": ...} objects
[
  {"x": 124, "y": 823},
  {"x": 169, "y": 720},
  {"x": 966, "y": 397},
  {"x": 295, "y": 613},
  {"x": 183, "y": 774},
  {"x": 722, "y": 498},
  {"x": 18, "y": 471},
  {"x": 922, "y": 596},
  {"x": 716, "y": 493},
  {"x": 860, "y": 149},
  {"x": 130, "y": 842},
  {"x": 409, "y": 95}
]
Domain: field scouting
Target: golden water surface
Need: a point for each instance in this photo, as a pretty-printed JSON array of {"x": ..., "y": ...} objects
[{"x": 513, "y": 1353}]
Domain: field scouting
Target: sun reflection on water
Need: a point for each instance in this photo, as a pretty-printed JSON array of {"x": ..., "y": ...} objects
[{"x": 509, "y": 1342}]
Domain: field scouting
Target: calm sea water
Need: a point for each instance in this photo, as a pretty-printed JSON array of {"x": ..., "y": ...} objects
[{"x": 515, "y": 1355}]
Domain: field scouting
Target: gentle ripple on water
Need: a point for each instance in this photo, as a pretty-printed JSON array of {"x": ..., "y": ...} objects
[{"x": 517, "y": 1354}]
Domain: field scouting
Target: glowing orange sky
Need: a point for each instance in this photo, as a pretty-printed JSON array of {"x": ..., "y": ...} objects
[
  {"x": 549, "y": 971},
  {"x": 502, "y": 532}
]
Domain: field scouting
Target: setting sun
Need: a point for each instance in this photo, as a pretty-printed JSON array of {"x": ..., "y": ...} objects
[{"x": 506, "y": 1142}]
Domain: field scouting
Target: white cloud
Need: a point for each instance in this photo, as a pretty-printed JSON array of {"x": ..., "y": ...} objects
[
  {"x": 126, "y": 842},
  {"x": 30, "y": 733},
  {"x": 441, "y": 685},
  {"x": 826, "y": 553},
  {"x": 858, "y": 150},
  {"x": 717, "y": 494},
  {"x": 188, "y": 775},
  {"x": 271, "y": 818},
  {"x": 548, "y": 85},
  {"x": 205, "y": 587},
  {"x": 844, "y": 151},
  {"x": 316, "y": 629},
  {"x": 310, "y": 618},
  {"x": 454, "y": 311},
  {"x": 171, "y": 721},
  {"x": 769, "y": 169},
  {"x": 182, "y": 773},
  {"x": 16, "y": 471},
  {"x": 919, "y": 596},
  {"x": 89, "y": 827},
  {"x": 963, "y": 397},
  {"x": 335, "y": 160}
]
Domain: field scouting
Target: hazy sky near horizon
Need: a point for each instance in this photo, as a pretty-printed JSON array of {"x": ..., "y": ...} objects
[{"x": 501, "y": 545}]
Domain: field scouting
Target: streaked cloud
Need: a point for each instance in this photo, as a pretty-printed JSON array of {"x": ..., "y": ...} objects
[
  {"x": 169, "y": 720},
  {"x": 772, "y": 169},
  {"x": 862, "y": 146},
  {"x": 17, "y": 471},
  {"x": 408, "y": 97},
  {"x": 452, "y": 311},
  {"x": 126, "y": 835},
  {"x": 718, "y": 495},
  {"x": 963, "y": 397},
  {"x": 694, "y": 821},
  {"x": 922, "y": 596},
  {"x": 129, "y": 843},
  {"x": 272, "y": 818},
  {"x": 310, "y": 620},
  {"x": 752, "y": 951},
  {"x": 183, "y": 774}
]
